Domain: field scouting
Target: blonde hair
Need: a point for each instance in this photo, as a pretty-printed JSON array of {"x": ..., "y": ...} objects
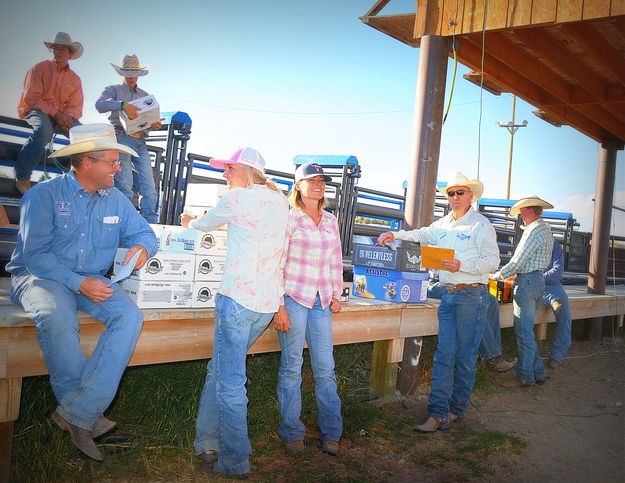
[
  {"x": 255, "y": 176},
  {"x": 296, "y": 202}
]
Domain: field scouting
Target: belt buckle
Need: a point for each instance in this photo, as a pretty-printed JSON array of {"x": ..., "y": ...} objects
[{"x": 451, "y": 288}]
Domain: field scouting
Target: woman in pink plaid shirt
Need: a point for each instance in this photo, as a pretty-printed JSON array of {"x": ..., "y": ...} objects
[{"x": 313, "y": 282}]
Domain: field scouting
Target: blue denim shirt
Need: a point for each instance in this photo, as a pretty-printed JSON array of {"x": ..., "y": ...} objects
[
  {"x": 555, "y": 270},
  {"x": 66, "y": 234}
]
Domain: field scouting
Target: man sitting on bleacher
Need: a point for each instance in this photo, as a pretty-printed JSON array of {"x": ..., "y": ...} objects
[
  {"x": 70, "y": 228},
  {"x": 51, "y": 102}
]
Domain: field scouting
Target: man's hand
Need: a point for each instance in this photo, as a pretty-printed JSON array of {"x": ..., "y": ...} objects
[
  {"x": 451, "y": 265},
  {"x": 95, "y": 289},
  {"x": 385, "y": 238},
  {"x": 65, "y": 121},
  {"x": 131, "y": 110},
  {"x": 157, "y": 124},
  {"x": 335, "y": 305},
  {"x": 142, "y": 258},
  {"x": 185, "y": 219},
  {"x": 281, "y": 320}
]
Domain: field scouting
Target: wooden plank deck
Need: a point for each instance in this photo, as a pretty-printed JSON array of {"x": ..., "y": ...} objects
[{"x": 187, "y": 334}]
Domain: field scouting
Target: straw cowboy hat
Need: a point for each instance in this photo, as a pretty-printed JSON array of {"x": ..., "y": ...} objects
[
  {"x": 75, "y": 48},
  {"x": 92, "y": 137},
  {"x": 531, "y": 200},
  {"x": 459, "y": 179},
  {"x": 130, "y": 67}
]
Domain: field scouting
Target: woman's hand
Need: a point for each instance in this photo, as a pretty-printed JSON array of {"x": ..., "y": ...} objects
[
  {"x": 281, "y": 320},
  {"x": 335, "y": 305}
]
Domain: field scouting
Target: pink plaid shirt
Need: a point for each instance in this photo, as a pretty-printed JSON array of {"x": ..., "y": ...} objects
[{"x": 314, "y": 262}]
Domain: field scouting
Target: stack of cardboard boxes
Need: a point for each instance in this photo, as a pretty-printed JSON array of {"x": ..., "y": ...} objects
[
  {"x": 392, "y": 272},
  {"x": 187, "y": 269}
]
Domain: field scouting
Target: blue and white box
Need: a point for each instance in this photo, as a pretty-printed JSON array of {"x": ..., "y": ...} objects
[{"x": 390, "y": 285}]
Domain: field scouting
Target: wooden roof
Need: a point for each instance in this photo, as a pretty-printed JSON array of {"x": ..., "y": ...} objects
[{"x": 567, "y": 58}]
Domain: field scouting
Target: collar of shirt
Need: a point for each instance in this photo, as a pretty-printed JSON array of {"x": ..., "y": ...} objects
[
  {"x": 74, "y": 186},
  {"x": 325, "y": 217}
]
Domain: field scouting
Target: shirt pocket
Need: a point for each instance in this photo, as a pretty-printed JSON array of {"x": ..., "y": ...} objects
[
  {"x": 65, "y": 227},
  {"x": 462, "y": 241},
  {"x": 105, "y": 235}
]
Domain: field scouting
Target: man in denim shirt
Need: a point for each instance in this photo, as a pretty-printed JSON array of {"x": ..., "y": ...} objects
[
  {"x": 70, "y": 229},
  {"x": 136, "y": 173},
  {"x": 463, "y": 309}
]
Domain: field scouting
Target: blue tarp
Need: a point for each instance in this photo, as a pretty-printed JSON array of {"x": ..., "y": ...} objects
[{"x": 324, "y": 159}]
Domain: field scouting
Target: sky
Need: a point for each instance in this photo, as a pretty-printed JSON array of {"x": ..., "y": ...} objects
[{"x": 292, "y": 77}]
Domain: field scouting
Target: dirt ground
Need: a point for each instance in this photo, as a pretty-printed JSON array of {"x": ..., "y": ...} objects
[{"x": 573, "y": 424}]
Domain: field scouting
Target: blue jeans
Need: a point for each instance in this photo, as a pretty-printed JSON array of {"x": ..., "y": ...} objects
[
  {"x": 562, "y": 340},
  {"x": 34, "y": 148},
  {"x": 528, "y": 293},
  {"x": 491, "y": 342},
  {"x": 221, "y": 423},
  {"x": 83, "y": 388},
  {"x": 461, "y": 322},
  {"x": 315, "y": 327},
  {"x": 136, "y": 175}
]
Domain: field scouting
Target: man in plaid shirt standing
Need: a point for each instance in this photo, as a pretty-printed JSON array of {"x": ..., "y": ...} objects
[{"x": 530, "y": 259}]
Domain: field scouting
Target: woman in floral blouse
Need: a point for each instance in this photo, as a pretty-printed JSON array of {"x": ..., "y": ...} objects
[
  {"x": 256, "y": 213},
  {"x": 313, "y": 282}
]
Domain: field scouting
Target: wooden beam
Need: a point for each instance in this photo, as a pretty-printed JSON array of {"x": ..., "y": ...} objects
[
  {"x": 597, "y": 8},
  {"x": 428, "y": 18},
  {"x": 514, "y": 82},
  {"x": 584, "y": 34},
  {"x": 376, "y": 8}
]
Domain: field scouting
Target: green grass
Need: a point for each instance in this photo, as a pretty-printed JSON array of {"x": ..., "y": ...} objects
[{"x": 156, "y": 407}]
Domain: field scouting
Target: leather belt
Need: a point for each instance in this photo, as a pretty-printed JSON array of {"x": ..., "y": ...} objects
[{"x": 453, "y": 288}]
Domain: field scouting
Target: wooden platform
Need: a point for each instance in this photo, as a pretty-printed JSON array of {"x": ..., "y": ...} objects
[{"x": 181, "y": 335}]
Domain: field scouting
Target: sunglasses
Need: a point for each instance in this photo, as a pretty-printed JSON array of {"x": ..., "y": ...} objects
[
  {"x": 451, "y": 193},
  {"x": 112, "y": 163}
]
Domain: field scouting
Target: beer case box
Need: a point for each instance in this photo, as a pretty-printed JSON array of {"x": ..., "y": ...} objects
[
  {"x": 390, "y": 285},
  {"x": 502, "y": 289},
  {"x": 401, "y": 256},
  {"x": 178, "y": 239},
  {"x": 158, "y": 231},
  {"x": 149, "y": 113},
  {"x": 148, "y": 294},
  {"x": 209, "y": 268},
  {"x": 204, "y": 294},
  {"x": 164, "y": 266}
]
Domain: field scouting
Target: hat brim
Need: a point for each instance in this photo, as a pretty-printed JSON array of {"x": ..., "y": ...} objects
[
  {"x": 75, "y": 48},
  {"x": 326, "y": 178},
  {"x": 526, "y": 203},
  {"x": 143, "y": 70},
  {"x": 476, "y": 187},
  {"x": 89, "y": 146}
]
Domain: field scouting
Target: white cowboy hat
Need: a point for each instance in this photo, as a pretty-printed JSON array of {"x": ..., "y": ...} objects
[
  {"x": 131, "y": 67},
  {"x": 75, "y": 48},
  {"x": 92, "y": 137},
  {"x": 531, "y": 200},
  {"x": 459, "y": 179}
]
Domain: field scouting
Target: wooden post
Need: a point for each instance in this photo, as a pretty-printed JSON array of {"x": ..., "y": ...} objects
[
  {"x": 10, "y": 392},
  {"x": 421, "y": 191},
  {"x": 386, "y": 355},
  {"x": 600, "y": 243}
]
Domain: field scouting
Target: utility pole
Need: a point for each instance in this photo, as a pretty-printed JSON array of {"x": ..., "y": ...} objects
[{"x": 512, "y": 128}]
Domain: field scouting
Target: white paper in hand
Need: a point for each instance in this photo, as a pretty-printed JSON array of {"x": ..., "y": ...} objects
[{"x": 126, "y": 270}]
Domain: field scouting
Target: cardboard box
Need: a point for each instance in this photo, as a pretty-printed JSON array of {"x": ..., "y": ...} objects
[
  {"x": 204, "y": 294},
  {"x": 158, "y": 231},
  {"x": 189, "y": 240},
  {"x": 209, "y": 268},
  {"x": 158, "y": 294},
  {"x": 204, "y": 194},
  {"x": 390, "y": 285},
  {"x": 502, "y": 289},
  {"x": 164, "y": 266},
  {"x": 149, "y": 113},
  {"x": 401, "y": 256}
]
